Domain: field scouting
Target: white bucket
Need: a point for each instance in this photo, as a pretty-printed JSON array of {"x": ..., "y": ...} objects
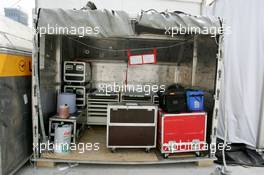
[{"x": 62, "y": 140}]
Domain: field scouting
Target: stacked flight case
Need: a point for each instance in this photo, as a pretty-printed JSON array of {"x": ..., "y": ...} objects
[
  {"x": 76, "y": 76},
  {"x": 80, "y": 92},
  {"x": 76, "y": 72}
]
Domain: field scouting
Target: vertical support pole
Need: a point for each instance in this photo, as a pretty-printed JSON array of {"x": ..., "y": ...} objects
[
  {"x": 36, "y": 6},
  {"x": 58, "y": 63},
  {"x": 218, "y": 80},
  {"x": 35, "y": 113},
  {"x": 42, "y": 40},
  {"x": 176, "y": 74},
  {"x": 195, "y": 59}
]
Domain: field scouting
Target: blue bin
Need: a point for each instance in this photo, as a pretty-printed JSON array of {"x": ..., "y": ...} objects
[{"x": 195, "y": 100}]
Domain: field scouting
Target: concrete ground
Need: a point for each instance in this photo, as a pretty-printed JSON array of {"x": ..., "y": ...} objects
[{"x": 171, "y": 169}]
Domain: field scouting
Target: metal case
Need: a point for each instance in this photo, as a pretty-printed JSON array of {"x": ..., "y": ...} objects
[
  {"x": 185, "y": 132},
  {"x": 97, "y": 106},
  {"x": 135, "y": 97},
  {"x": 131, "y": 125},
  {"x": 76, "y": 72},
  {"x": 80, "y": 92}
]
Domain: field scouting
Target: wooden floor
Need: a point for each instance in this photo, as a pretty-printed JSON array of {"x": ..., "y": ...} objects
[{"x": 97, "y": 134}]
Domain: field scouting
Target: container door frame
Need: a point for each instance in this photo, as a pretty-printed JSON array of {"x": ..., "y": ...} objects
[{"x": 35, "y": 88}]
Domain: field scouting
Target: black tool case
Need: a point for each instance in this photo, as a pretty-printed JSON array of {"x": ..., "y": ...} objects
[{"x": 173, "y": 100}]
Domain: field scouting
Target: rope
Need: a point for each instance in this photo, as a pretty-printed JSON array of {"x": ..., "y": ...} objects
[{"x": 124, "y": 50}]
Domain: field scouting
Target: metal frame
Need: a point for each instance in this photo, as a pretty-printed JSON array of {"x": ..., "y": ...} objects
[
  {"x": 218, "y": 80},
  {"x": 115, "y": 107},
  {"x": 35, "y": 86},
  {"x": 69, "y": 120},
  {"x": 195, "y": 59},
  {"x": 158, "y": 162},
  {"x": 182, "y": 114},
  {"x": 35, "y": 106},
  {"x": 59, "y": 60},
  {"x": 35, "y": 123}
]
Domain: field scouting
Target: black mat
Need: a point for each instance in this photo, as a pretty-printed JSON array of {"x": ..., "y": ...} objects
[{"x": 240, "y": 155}]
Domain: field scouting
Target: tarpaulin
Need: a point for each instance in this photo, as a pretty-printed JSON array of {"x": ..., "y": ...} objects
[
  {"x": 243, "y": 83},
  {"x": 179, "y": 21},
  {"x": 107, "y": 23},
  {"x": 96, "y": 23}
]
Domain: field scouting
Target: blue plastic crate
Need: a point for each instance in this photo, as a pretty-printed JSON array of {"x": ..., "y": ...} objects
[{"x": 195, "y": 100}]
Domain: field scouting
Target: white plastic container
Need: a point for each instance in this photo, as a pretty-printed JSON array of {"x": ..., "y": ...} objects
[
  {"x": 68, "y": 99},
  {"x": 62, "y": 141}
]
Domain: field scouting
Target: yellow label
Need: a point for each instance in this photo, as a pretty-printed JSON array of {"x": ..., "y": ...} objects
[{"x": 15, "y": 65}]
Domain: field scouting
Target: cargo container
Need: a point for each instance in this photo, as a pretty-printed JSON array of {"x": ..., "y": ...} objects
[
  {"x": 15, "y": 95},
  {"x": 192, "y": 59}
]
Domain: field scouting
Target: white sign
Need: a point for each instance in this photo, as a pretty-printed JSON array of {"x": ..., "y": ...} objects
[
  {"x": 149, "y": 59},
  {"x": 136, "y": 59}
]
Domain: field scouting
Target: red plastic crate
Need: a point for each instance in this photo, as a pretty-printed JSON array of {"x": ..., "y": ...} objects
[{"x": 184, "y": 132}]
